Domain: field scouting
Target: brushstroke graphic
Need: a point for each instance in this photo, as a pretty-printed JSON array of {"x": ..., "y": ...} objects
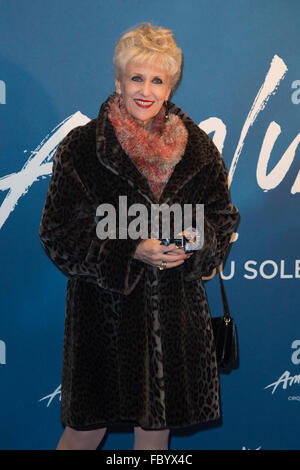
[
  {"x": 275, "y": 73},
  {"x": 37, "y": 166}
]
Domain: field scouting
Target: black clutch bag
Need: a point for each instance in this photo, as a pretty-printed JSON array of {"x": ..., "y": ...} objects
[{"x": 225, "y": 335}]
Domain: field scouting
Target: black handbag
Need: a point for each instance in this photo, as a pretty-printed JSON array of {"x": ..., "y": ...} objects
[{"x": 225, "y": 335}]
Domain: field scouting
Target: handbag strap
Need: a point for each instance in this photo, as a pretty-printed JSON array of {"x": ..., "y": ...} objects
[{"x": 224, "y": 298}]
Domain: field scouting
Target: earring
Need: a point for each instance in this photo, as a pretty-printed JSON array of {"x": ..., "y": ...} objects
[{"x": 166, "y": 107}]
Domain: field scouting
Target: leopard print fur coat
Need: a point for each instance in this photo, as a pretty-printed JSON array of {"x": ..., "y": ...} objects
[{"x": 138, "y": 342}]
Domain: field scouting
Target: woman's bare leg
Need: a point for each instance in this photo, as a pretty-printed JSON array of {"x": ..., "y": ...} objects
[
  {"x": 154, "y": 440},
  {"x": 80, "y": 440}
]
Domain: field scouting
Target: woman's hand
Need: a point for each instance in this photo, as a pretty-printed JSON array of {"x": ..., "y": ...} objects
[{"x": 151, "y": 251}]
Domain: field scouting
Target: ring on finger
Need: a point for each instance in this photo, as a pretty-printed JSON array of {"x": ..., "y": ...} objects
[{"x": 162, "y": 265}]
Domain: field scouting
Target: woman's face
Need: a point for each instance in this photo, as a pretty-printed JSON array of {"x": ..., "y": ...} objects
[{"x": 144, "y": 88}]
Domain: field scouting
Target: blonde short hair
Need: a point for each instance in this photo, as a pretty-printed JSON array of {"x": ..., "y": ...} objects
[{"x": 151, "y": 44}]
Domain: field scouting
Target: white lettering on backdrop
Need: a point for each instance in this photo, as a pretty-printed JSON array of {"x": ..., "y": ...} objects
[
  {"x": 38, "y": 165},
  {"x": 2, "y": 352},
  {"x": 2, "y": 92}
]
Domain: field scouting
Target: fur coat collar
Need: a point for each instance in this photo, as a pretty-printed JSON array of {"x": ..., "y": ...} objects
[
  {"x": 154, "y": 151},
  {"x": 112, "y": 156}
]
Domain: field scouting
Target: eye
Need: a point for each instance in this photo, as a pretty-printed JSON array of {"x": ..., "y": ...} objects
[
  {"x": 157, "y": 80},
  {"x": 136, "y": 78}
]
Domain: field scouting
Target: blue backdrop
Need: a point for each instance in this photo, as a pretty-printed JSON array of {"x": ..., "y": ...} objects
[{"x": 241, "y": 83}]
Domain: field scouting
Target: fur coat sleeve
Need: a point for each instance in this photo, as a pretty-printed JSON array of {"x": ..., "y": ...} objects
[
  {"x": 221, "y": 219},
  {"x": 68, "y": 229}
]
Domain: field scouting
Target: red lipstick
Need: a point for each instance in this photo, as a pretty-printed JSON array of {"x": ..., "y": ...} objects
[{"x": 145, "y": 104}]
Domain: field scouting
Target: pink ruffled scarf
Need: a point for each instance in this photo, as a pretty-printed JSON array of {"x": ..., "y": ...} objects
[{"x": 154, "y": 152}]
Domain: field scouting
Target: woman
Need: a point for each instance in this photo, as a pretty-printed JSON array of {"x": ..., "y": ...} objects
[{"x": 138, "y": 343}]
